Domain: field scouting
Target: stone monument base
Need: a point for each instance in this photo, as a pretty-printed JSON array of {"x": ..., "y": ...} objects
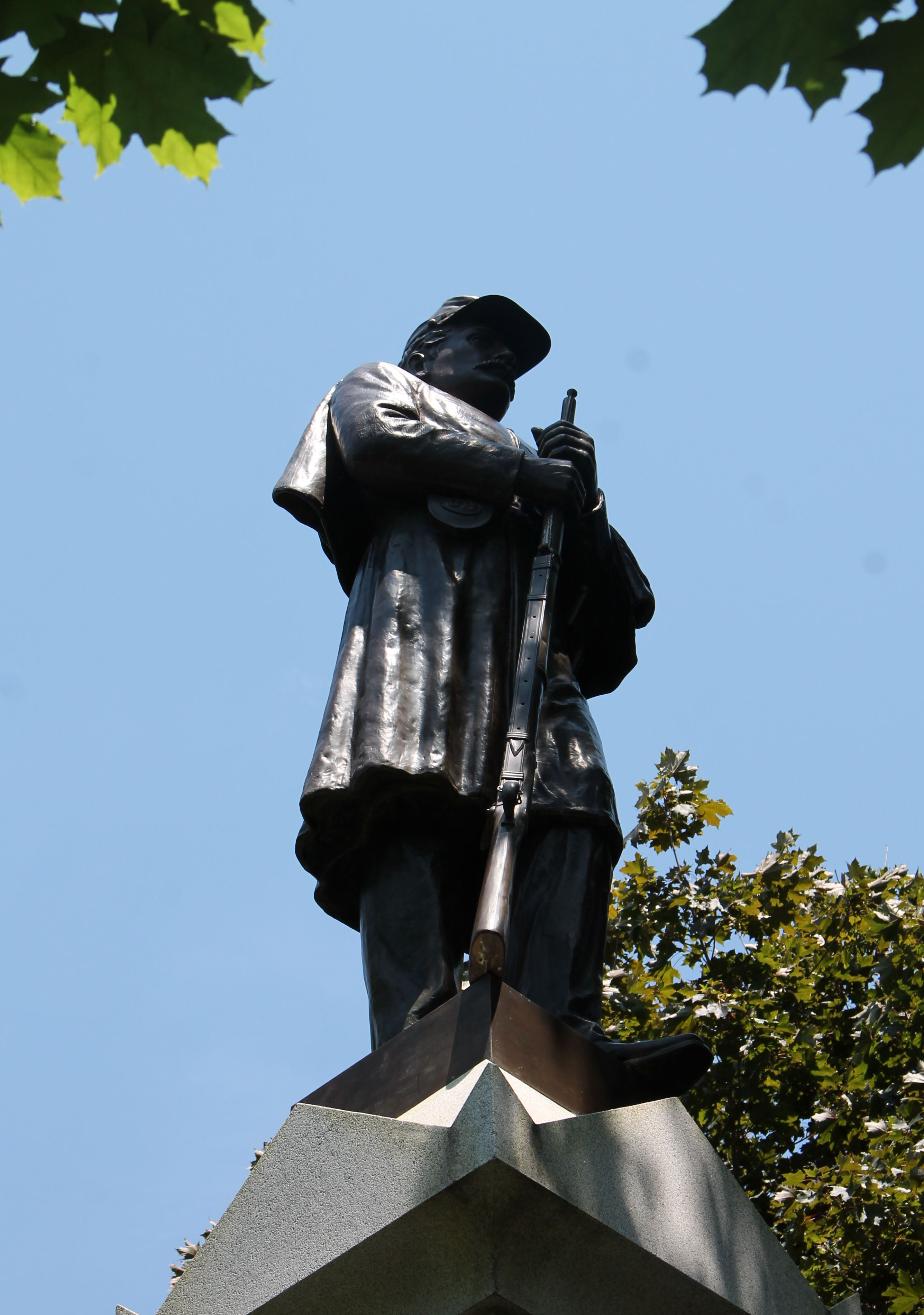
[{"x": 486, "y": 1193}]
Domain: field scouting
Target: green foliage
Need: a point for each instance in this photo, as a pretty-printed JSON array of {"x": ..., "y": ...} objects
[
  {"x": 809, "y": 986},
  {"x": 29, "y": 160},
  {"x": 121, "y": 69},
  {"x": 751, "y": 42}
]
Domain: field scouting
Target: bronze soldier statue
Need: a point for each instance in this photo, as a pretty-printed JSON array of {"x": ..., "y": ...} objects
[{"x": 430, "y": 510}]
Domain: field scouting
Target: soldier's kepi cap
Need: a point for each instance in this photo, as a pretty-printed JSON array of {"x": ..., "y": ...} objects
[{"x": 525, "y": 337}]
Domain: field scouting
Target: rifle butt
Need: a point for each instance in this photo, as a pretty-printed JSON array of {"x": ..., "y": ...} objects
[
  {"x": 486, "y": 955},
  {"x": 492, "y": 918}
]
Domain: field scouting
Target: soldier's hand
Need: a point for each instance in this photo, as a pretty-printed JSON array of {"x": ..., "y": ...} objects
[
  {"x": 547, "y": 482},
  {"x": 563, "y": 441}
]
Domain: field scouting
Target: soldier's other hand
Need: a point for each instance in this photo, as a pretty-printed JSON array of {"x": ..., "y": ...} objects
[
  {"x": 547, "y": 482},
  {"x": 563, "y": 441}
]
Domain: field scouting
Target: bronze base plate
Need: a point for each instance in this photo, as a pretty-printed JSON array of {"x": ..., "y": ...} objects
[{"x": 491, "y": 1021}]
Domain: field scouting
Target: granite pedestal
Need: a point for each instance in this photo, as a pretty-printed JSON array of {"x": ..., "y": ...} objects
[{"x": 487, "y": 1194}]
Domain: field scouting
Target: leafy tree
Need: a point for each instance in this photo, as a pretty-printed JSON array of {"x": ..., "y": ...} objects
[
  {"x": 809, "y": 986},
  {"x": 817, "y": 41},
  {"x": 120, "y": 69}
]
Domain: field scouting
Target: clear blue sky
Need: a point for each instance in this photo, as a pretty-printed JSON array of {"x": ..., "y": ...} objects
[{"x": 739, "y": 306}]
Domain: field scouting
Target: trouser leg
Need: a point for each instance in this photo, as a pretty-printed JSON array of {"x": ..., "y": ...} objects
[
  {"x": 558, "y": 923},
  {"x": 411, "y": 931},
  {"x": 555, "y": 957}
]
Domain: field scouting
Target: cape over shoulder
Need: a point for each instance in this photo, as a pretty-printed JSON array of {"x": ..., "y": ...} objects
[{"x": 315, "y": 486}]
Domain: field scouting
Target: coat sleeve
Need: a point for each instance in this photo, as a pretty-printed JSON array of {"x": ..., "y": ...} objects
[
  {"x": 393, "y": 442},
  {"x": 605, "y": 597}
]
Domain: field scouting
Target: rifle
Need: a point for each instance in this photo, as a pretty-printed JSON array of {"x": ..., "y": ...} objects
[{"x": 514, "y": 792}]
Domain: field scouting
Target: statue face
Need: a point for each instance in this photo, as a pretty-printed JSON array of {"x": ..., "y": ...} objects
[{"x": 474, "y": 364}]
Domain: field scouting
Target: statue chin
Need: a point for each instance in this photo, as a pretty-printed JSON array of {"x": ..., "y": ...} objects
[{"x": 485, "y": 393}]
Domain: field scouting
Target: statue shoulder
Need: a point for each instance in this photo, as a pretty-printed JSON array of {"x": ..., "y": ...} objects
[
  {"x": 377, "y": 376},
  {"x": 370, "y": 396}
]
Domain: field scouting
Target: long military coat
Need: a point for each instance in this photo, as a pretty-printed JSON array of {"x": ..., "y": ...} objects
[{"x": 419, "y": 700}]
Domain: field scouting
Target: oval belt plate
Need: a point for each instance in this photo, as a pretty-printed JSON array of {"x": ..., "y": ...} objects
[{"x": 460, "y": 513}]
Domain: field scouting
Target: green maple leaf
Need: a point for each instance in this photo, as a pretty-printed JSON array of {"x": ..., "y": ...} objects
[
  {"x": 896, "y": 110},
  {"x": 151, "y": 76},
  {"x": 907, "y": 1294},
  {"x": 29, "y": 160},
  {"x": 78, "y": 57},
  {"x": 94, "y": 124},
  {"x": 161, "y": 70},
  {"x": 713, "y": 810},
  {"x": 193, "y": 161},
  {"x": 155, "y": 94},
  {"x": 243, "y": 25},
  {"x": 752, "y": 41}
]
